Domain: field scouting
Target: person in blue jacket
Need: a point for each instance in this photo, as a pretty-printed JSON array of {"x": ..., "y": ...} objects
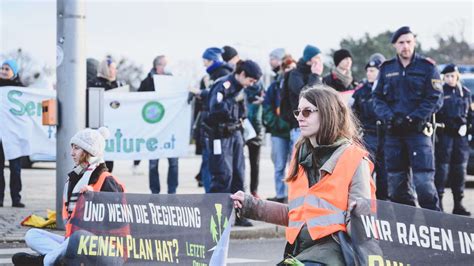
[
  {"x": 363, "y": 108},
  {"x": 452, "y": 148},
  {"x": 226, "y": 111},
  {"x": 407, "y": 93}
]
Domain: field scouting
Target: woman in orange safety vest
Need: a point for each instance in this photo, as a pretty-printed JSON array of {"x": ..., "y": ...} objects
[
  {"x": 328, "y": 172},
  {"x": 89, "y": 174}
]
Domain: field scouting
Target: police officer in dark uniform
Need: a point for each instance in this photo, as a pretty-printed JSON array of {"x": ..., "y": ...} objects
[
  {"x": 407, "y": 93},
  {"x": 226, "y": 110},
  {"x": 373, "y": 133},
  {"x": 452, "y": 148}
]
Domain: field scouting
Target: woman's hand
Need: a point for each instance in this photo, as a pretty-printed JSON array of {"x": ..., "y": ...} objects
[
  {"x": 238, "y": 198},
  {"x": 85, "y": 189}
]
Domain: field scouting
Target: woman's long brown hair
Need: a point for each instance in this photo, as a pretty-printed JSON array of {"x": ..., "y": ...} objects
[{"x": 336, "y": 120}]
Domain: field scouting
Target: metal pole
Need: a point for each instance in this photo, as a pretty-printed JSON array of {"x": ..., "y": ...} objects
[{"x": 71, "y": 88}]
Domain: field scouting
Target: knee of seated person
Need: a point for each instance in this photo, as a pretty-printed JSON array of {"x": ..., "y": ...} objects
[{"x": 31, "y": 234}]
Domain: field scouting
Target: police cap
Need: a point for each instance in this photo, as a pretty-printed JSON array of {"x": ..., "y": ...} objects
[
  {"x": 449, "y": 69},
  {"x": 400, "y": 32},
  {"x": 252, "y": 70}
]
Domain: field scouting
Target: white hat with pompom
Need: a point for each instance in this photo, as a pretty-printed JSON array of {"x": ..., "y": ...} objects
[{"x": 92, "y": 140}]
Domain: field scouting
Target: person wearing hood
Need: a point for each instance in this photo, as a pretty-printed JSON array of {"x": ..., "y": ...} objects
[
  {"x": 107, "y": 79},
  {"x": 89, "y": 174},
  {"x": 106, "y": 76},
  {"x": 159, "y": 68},
  {"x": 307, "y": 73},
  {"x": 9, "y": 77},
  {"x": 340, "y": 77},
  {"x": 373, "y": 134},
  {"x": 452, "y": 148}
]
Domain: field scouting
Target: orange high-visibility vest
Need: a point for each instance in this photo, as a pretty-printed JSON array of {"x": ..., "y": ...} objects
[
  {"x": 323, "y": 206},
  {"x": 96, "y": 188}
]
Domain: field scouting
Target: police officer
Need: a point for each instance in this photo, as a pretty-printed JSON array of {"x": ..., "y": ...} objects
[
  {"x": 226, "y": 109},
  {"x": 407, "y": 93},
  {"x": 452, "y": 149},
  {"x": 372, "y": 131}
]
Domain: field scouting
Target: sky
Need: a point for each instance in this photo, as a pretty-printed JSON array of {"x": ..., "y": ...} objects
[{"x": 141, "y": 30}]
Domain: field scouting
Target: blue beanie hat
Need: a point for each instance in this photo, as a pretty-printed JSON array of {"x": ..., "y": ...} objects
[
  {"x": 252, "y": 70},
  {"x": 309, "y": 52},
  {"x": 213, "y": 54},
  {"x": 12, "y": 64}
]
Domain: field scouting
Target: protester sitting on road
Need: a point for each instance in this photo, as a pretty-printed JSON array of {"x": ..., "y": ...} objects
[
  {"x": 87, "y": 151},
  {"x": 329, "y": 163},
  {"x": 9, "y": 77}
]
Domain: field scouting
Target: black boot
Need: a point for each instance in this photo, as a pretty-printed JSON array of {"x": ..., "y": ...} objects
[
  {"x": 458, "y": 207},
  {"x": 25, "y": 259}
]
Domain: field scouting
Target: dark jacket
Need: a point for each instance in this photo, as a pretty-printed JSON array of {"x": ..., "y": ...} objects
[
  {"x": 254, "y": 111},
  {"x": 148, "y": 84},
  {"x": 413, "y": 91},
  {"x": 456, "y": 110},
  {"x": 363, "y": 108},
  {"x": 272, "y": 121},
  {"x": 332, "y": 81},
  {"x": 227, "y": 109},
  {"x": 104, "y": 83},
  {"x": 11, "y": 82},
  {"x": 297, "y": 79}
]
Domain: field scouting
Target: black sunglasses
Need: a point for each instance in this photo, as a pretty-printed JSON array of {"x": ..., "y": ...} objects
[{"x": 305, "y": 112}]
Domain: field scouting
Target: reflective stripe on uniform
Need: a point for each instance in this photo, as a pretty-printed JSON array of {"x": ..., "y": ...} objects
[
  {"x": 312, "y": 200},
  {"x": 298, "y": 202},
  {"x": 296, "y": 224},
  {"x": 326, "y": 220}
]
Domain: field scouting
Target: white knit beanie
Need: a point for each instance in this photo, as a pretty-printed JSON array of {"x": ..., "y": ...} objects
[{"x": 91, "y": 140}]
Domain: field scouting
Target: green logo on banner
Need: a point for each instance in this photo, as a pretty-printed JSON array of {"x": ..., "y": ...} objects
[
  {"x": 218, "y": 228},
  {"x": 153, "y": 112}
]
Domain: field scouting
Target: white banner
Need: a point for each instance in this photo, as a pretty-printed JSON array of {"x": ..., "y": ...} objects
[
  {"x": 21, "y": 128},
  {"x": 143, "y": 125}
]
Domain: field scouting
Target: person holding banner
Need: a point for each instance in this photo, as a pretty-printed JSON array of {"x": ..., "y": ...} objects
[
  {"x": 328, "y": 172},
  {"x": 107, "y": 79},
  {"x": 224, "y": 126},
  {"x": 159, "y": 68},
  {"x": 88, "y": 174},
  {"x": 9, "y": 77},
  {"x": 452, "y": 148}
]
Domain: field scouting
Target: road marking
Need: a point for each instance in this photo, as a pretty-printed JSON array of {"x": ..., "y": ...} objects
[{"x": 240, "y": 260}]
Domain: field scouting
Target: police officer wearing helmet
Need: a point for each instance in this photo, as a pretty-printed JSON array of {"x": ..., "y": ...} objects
[
  {"x": 372, "y": 131},
  {"x": 226, "y": 110},
  {"x": 407, "y": 93},
  {"x": 452, "y": 148}
]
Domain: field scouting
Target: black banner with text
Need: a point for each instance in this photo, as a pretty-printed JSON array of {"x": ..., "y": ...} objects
[
  {"x": 138, "y": 229},
  {"x": 393, "y": 234}
]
